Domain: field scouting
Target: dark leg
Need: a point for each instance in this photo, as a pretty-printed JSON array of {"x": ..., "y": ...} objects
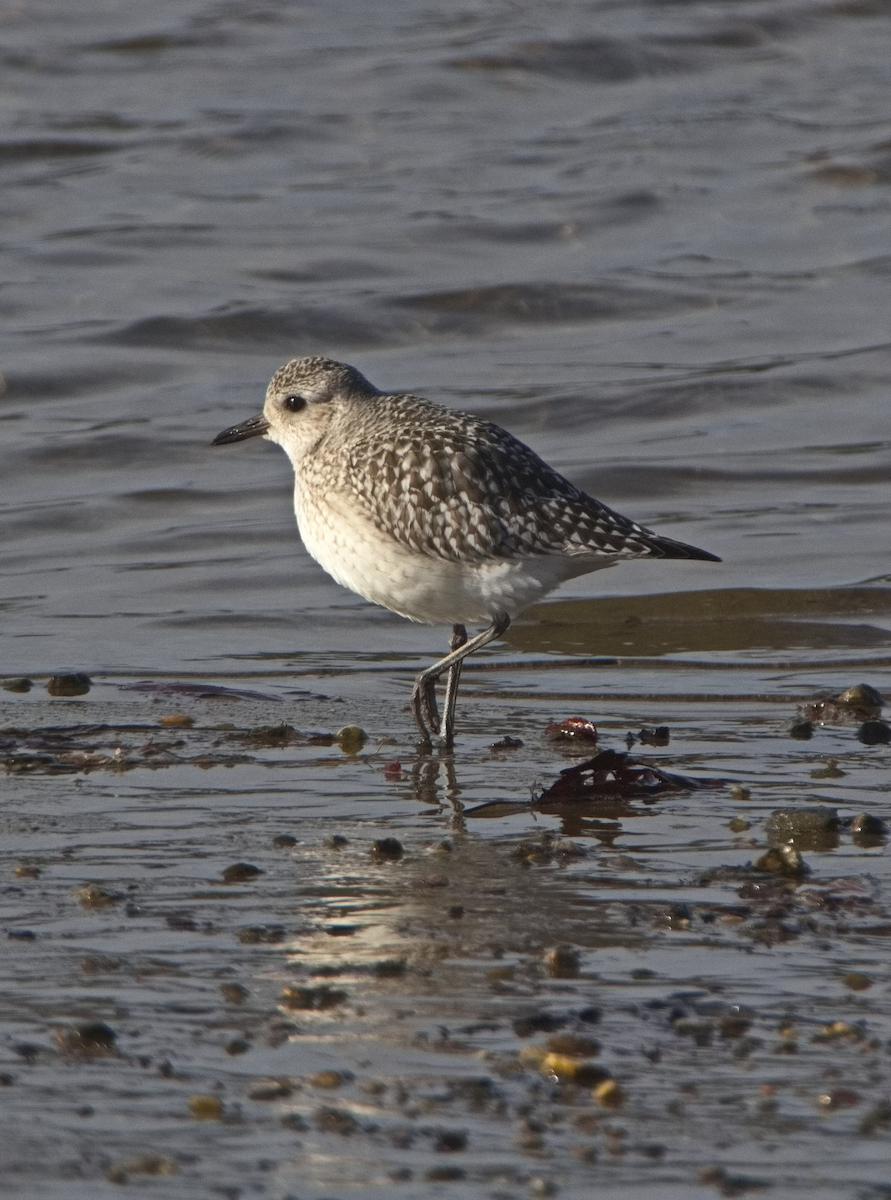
[
  {"x": 423, "y": 699},
  {"x": 458, "y": 639}
]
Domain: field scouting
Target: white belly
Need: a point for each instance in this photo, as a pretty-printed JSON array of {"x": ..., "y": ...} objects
[{"x": 430, "y": 590}]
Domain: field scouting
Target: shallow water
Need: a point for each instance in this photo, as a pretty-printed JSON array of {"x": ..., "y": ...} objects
[{"x": 649, "y": 238}]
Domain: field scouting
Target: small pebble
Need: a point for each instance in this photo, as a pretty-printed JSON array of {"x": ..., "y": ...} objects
[
  {"x": 241, "y": 873},
  {"x": 387, "y": 849},
  {"x": 856, "y": 981},
  {"x": 91, "y": 895},
  {"x": 874, "y": 733},
  {"x": 782, "y": 860},
  {"x": 69, "y": 685},
  {"x": 91, "y": 1039},
  {"x": 141, "y": 1164},
  {"x": 17, "y": 684},
  {"x": 609, "y": 1094},
  {"x": 205, "y": 1107},
  {"x": 351, "y": 739},
  {"x": 234, "y": 993},
  {"x": 562, "y": 962},
  {"x": 318, "y": 998},
  {"x": 329, "y": 1080},
  {"x": 269, "y": 1089},
  {"x": 178, "y": 721}
]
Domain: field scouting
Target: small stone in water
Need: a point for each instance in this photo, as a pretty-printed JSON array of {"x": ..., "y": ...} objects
[
  {"x": 857, "y": 981},
  {"x": 507, "y": 743},
  {"x": 351, "y": 739},
  {"x": 573, "y": 1044},
  {"x": 740, "y": 793},
  {"x": 830, "y": 771},
  {"x": 562, "y": 962},
  {"x": 861, "y": 698},
  {"x": 874, "y": 733},
  {"x": 805, "y": 828},
  {"x": 205, "y": 1107},
  {"x": 782, "y": 860},
  {"x": 241, "y": 872},
  {"x": 838, "y": 1098},
  {"x": 140, "y": 1164},
  {"x": 69, "y": 685},
  {"x": 868, "y": 830},
  {"x": 329, "y": 1080},
  {"x": 573, "y": 729},
  {"x": 18, "y": 684},
  {"x": 269, "y": 1089},
  {"x": 336, "y": 1120},
  {"x": 284, "y": 841},
  {"x": 609, "y": 1094},
  {"x": 387, "y": 849},
  {"x": 337, "y": 841},
  {"x": 654, "y": 737},
  {"x": 837, "y": 1031},
  {"x": 91, "y": 895},
  {"x": 234, "y": 993},
  {"x": 450, "y": 1141},
  {"x": 802, "y": 731},
  {"x": 177, "y": 721},
  {"x": 312, "y": 997},
  {"x": 88, "y": 1040}
]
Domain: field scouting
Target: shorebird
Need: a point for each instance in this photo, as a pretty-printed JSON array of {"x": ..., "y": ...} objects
[{"x": 433, "y": 513}]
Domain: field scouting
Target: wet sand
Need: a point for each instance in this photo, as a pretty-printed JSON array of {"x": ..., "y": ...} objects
[{"x": 651, "y": 240}]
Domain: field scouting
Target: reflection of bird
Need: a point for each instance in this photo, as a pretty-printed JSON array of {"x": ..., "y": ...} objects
[{"x": 434, "y": 514}]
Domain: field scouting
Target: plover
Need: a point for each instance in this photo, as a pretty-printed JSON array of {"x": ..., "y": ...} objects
[{"x": 433, "y": 513}]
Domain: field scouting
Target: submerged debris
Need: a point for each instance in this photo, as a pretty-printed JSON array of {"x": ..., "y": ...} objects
[
  {"x": 658, "y": 736},
  {"x": 862, "y": 702},
  {"x": 199, "y": 691},
  {"x": 611, "y": 773}
]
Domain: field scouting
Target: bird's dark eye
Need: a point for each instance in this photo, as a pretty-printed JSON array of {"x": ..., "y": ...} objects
[{"x": 295, "y": 403}]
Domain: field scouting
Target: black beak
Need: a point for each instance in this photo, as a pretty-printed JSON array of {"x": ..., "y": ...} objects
[{"x": 252, "y": 427}]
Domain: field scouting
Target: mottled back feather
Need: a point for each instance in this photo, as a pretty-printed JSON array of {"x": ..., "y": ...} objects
[{"x": 447, "y": 484}]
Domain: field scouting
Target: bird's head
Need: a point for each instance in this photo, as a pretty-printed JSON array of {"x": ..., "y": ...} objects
[{"x": 301, "y": 400}]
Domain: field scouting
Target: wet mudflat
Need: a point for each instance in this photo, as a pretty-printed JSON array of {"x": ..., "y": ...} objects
[
  {"x": 247, "y": 953},
  {"x": 248, "y": 948}
]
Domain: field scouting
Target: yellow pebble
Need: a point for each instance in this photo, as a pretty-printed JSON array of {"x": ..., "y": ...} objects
[
  {"x": 609, "y": 1094},
  {"x": 205, "y": 1107}
]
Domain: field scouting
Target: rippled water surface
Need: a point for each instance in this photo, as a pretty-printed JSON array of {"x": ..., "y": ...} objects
[{"x": 652, "y": 240}]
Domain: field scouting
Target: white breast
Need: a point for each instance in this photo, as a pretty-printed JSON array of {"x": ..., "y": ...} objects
[{"x": 432, "y": 591}]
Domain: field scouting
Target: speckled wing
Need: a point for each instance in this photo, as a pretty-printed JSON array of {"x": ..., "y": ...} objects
[{"x": 462, "y": 489}]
